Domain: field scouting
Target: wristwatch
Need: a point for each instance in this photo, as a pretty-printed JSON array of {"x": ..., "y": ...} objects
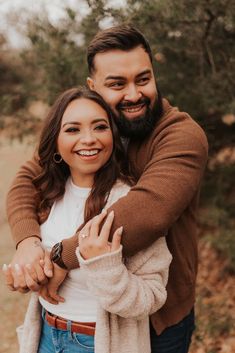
[{"x": 55, "y": 255}]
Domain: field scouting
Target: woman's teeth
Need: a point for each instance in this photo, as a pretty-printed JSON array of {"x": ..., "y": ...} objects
[{"x": 88, "y": 153}]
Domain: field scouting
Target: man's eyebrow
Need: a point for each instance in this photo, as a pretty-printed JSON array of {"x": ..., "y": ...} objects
[
  {"x": 113, "y": 77},
  {"x": 147, "y": 71}
]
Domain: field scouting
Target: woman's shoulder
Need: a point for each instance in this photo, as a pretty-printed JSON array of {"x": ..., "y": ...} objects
[{"x": 119, "y": 190}]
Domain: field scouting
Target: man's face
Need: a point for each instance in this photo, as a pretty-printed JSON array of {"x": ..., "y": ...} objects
[{"x": 126, "y": 81}]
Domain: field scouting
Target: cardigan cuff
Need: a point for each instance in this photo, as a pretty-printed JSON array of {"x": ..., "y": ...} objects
[{"x": 102, "y": 262}]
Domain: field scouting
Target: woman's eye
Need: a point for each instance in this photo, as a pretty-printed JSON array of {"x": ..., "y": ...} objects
[
  {"x": 102, "y": 127},
  {"x": 72, "y": 129}
]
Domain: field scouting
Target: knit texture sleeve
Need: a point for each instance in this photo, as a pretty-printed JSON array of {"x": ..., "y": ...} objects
[
  {"x": 171, "y": 165},
  {"x": 135, "y": 290},
  {"x": 21, "y": 203}
]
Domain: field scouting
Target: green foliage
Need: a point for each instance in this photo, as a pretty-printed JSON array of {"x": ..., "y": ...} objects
[
  {"x": 218, "y": 190},
  {"x": 11, "y": 95},
  {"x": 55, "y": 55},
  {"x": 193, "y": 49},
  {"x": 195, "y": 61},
  {"x": 217, "y": 213},
  {"x": 224, "y": 243}
]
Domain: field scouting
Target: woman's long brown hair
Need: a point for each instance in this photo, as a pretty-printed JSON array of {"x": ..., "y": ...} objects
[{"x": 51, "y": 181}]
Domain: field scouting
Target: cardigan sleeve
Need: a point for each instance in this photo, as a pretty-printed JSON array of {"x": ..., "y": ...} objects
[{"x": 135, "y": 290}]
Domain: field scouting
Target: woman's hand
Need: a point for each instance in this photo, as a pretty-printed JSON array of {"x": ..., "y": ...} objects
[
  {"x": 30, "y": 267},
  {"x": 49, "y": 292},
  {"x": 94, "y": 242}
]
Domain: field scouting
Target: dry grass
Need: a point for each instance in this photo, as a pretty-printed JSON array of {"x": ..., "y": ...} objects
[{"x": 12, "y": 305}]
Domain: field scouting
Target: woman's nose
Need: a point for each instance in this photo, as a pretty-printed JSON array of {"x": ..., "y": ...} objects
[{"x": 88, "y": 138}]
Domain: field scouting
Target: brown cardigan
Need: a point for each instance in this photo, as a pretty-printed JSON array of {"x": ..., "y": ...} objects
[{"x": 170, "y": 165}]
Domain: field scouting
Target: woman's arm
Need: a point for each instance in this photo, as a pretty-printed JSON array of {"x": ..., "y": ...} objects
[{"x": 132, "y": 291}]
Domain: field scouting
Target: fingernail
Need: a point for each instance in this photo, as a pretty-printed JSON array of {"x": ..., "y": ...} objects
[
  {"x": 111, "y": 214},
  {"x": 120, "y": 230},
  {"x": 4, "y": 267},
  {"x": 17, "y": 268},
  {"x": 28, "y": 266},
  {"x": 104, "y": 211}
]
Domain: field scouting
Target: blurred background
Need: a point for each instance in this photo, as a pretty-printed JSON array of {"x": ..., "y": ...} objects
[{"x": 43, "y": 52}]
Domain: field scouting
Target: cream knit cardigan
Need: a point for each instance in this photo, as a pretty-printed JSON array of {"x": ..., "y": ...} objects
[{"x": 126, "y": 293}]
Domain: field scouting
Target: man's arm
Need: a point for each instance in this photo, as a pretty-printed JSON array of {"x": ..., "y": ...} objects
[
  {"x": 23, "y": 220},
  {"x": 21, "y": 203},
  {"x": 170, "y": 180}
]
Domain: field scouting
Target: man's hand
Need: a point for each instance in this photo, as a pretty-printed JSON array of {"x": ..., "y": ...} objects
[
  {"x": 29, "y": 267},
  {"x": 50, "y": 291}
]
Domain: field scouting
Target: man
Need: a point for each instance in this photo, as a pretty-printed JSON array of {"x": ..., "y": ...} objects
[{"x": 168, "y": 152}]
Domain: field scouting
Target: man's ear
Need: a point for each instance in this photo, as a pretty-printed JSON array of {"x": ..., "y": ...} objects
[{"x": 90, "y": 83}]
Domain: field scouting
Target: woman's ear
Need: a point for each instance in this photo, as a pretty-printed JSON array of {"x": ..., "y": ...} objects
[{"x": 90, "y": 83}]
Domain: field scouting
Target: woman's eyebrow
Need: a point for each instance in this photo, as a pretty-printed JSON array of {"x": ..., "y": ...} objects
[{"x": 97, "y": 120}]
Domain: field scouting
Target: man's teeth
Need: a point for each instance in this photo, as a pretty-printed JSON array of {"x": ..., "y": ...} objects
[
  {"x": 133, "y": 109},
  {"x": 88, "y": 153}
]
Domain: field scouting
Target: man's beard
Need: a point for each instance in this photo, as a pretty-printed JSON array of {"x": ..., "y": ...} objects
[{"x": 142, "y": 126}]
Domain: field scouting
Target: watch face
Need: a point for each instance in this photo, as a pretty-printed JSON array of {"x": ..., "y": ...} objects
[
  {"x": 56, "y": 251},
  {"x": 56, "y": 255}
]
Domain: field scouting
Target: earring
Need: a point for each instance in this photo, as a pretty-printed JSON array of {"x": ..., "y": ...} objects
[{"x": 57, "y": 158}]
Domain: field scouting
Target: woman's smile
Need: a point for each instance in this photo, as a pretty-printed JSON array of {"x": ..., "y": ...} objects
[{"x": 85, "y": 141}]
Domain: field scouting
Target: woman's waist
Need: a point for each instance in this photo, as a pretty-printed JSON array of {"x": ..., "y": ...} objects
[{"x": 79, "y": 305}]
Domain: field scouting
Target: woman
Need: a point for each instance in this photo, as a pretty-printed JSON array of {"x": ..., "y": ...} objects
[{"x": 83, "y": 172}]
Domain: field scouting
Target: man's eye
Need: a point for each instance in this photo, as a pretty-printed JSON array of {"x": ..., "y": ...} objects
[
  {"x": 116, "y": 85},
  {"x": 143, "y": 80},
  {"x": 102, "y": 127}
]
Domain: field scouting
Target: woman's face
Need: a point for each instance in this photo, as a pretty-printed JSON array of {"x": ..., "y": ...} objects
[{"x": 85, "y": 140}]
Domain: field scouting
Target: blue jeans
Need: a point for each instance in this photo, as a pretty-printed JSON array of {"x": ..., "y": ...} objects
[
  {"x": 174, "y": 339},
  {"x": 59, "y": 341}
]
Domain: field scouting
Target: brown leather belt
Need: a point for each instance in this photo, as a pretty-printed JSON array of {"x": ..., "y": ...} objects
[{"x": 86, "y": 328}]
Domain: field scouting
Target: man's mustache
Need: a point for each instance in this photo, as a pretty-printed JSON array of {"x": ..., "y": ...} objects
[{"x": 126, "y": 104}]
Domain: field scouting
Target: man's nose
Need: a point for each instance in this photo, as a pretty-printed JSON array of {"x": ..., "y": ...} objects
[{"x": 133, "y": 93}]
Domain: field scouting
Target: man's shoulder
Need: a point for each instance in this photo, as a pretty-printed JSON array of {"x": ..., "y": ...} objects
[{"x": 176, "y": 122}]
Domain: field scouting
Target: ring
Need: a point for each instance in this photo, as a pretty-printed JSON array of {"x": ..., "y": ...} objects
[{"x": 82, "y": 235}]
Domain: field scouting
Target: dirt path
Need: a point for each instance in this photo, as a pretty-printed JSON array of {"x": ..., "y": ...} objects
[{"x": 12, "y": 305}]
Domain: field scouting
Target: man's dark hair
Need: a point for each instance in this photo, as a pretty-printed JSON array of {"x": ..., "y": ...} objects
[{"x": 118, "y": 37}]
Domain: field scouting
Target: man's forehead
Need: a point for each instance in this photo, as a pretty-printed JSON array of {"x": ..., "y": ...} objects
[{"x": 121, "y": 63}]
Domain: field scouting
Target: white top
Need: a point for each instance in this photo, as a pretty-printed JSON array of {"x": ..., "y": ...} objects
[{"x": 66, "y": 215}]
